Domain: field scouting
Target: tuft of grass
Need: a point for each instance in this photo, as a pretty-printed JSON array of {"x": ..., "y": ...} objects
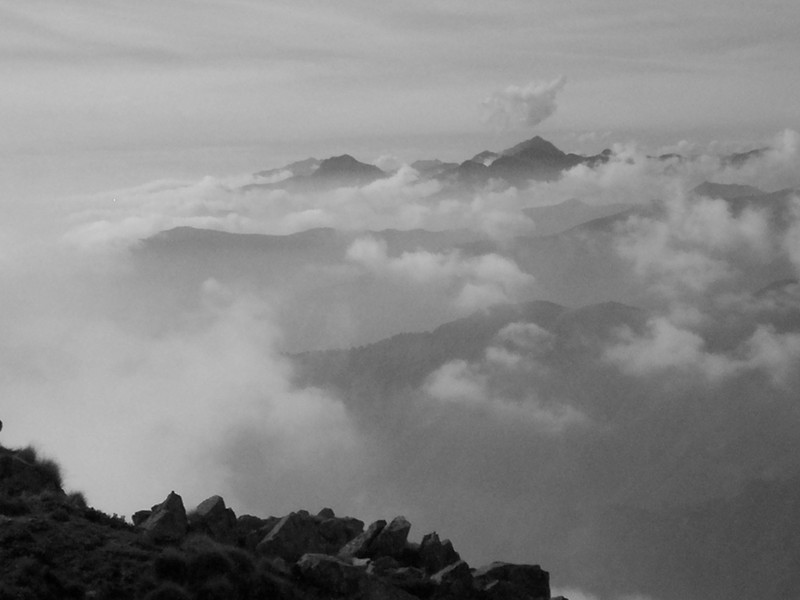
[
  {"x": 28, "y": 454},
  {"x": 77, "y": 500},
  {"x": 51, "y": 470}
]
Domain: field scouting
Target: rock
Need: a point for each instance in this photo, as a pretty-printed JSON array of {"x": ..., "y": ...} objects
[
  {"x": 294, "y": 535},
  {"x": 382, "y": 565},
  {"x": 531, "y": 582},
  {"x": 140, "y": 516},
  {"x": 251, "y": 530},
  {"x": 435, "y": 555},
  {"x": 338, "y": 531},
  {"x": 391, "y": 540},
  {"x": 458, "y": 571},
  {"x": 373, "y": 588},
  {"x": 410, "y": 579},
  {"x": 326, "y": 513},
  {"x": 334, "y": 575},
  {"x": 214, "y": 519},
  {"x": 167, "y": 521},
  {"x": 358, "y": 547},
  {"x": 454, "y": 581}
]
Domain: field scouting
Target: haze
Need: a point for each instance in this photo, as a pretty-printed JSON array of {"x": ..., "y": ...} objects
[{"x": 593, "y": 368}]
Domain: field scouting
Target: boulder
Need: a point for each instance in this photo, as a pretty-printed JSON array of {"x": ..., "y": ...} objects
[
  {"x": 167, "y": 522},
  {"x": 358, "y": 547},
  {"x": 251, "y": 530},
  {"x": 435, "y": 555},
  {"x": 326, "y": 513},
  {"x": 410, "y": 579},
  {"x": 330, "y": 573},
  {"x": 214, "y": 519},
  {"x": 140, "y": 516},
  {"x": 458, "y": 571},
  {"x": 294, "y": 535},
  {"x": 338, "y": 531},
  {"x": 391, "y": 540},
  {"x": 531, "y": 582},
  {"x": 454, "y": 581},
  {"x": 373, "y": 588}
]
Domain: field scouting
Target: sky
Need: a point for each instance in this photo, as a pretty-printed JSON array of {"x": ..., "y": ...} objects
[{"x": 101, "y": 94}]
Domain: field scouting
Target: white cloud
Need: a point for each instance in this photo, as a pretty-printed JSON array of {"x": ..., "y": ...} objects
[
  {"x": 150, "y": 413},
  {"x": 525, "y": 106},
  {"x": 692, "y": 244},
  {"x": 468, "y": 282},
  {"x": 664, "y": 348},
  {"x": 468, "y": 386}
]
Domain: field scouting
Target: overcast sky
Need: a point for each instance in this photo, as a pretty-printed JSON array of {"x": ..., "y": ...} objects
[{"x": 98, "y": 93}]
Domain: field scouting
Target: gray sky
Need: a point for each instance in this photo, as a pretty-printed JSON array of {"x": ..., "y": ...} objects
[{"x": 99, "y": 93}]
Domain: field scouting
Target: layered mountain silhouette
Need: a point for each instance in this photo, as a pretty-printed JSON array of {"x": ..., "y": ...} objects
[
  {"x": 312, "y": 174},
  {"x": 534, "y": 159},
  {"x": 671, "y": 510}
]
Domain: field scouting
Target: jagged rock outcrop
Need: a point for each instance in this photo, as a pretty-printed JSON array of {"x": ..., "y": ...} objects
[
  {"x": 505, "y": 580},
  {"x": 391, "y": 540},
  {"x": 299, "y": 533},
  {"x": 53, "y": 546},
  {"x": 214, "y": 519},
  {"x": 359, "y": 546},
  {"x": 167, "y": 521},
  {"x": 435, "y": 554}
]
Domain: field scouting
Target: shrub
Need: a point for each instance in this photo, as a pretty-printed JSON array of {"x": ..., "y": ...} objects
[
  {"x": 217, "y": 588},
  {"x": 28, "y": 454},
  {"x": 168, "y": 591},
  {"x": 13, "y": 507},
  {"x": 208, "y": 564},
  {"x": 50, "y": 469},
  {"x": 77, "y": 500},
  {"x": 171, "y": 565}
]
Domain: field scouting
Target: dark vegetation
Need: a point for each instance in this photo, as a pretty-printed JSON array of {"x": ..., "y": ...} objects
[{"x": 54, "y": 546}]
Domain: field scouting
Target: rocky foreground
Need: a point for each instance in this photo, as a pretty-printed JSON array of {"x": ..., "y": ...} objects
[{"x": 52, "y": 545}]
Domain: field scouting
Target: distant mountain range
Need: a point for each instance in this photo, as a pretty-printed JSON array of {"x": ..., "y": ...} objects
[{"x": 535, "y": 159}]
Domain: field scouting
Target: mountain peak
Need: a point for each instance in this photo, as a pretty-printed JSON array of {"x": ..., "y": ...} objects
[
  {"x": 346, "y": 165},
  {"x": 536, "y": 146}
]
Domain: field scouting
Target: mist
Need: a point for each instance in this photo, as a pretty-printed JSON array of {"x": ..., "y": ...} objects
[{"x": 170, "y": 336}]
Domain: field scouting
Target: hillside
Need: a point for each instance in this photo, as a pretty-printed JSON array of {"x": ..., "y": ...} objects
[{"x": 54, "y": 546}]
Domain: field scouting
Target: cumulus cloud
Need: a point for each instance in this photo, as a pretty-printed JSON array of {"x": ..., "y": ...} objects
[
  {"x": 664, "y": 348},
  {"x": 470, "y": 283},
  {"x": 522, "y": 106},
  {"x": 668, "y": 348},
  {"x": 462, "y": 384},
  {"x": 694, "y": 244}
]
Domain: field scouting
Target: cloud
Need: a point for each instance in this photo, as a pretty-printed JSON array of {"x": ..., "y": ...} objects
[
  {"x": 668, "y": 348},
  {"x": 469, "y": 283},
  {"x": 527, "y": 106},
  {"x": 692, "y": 244},
  {"x": 204, "y": 406},
  {"x": 465, "y": 385},
  {"x": 403, "y": 201},
  {"x": 665, "y": 348}
]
